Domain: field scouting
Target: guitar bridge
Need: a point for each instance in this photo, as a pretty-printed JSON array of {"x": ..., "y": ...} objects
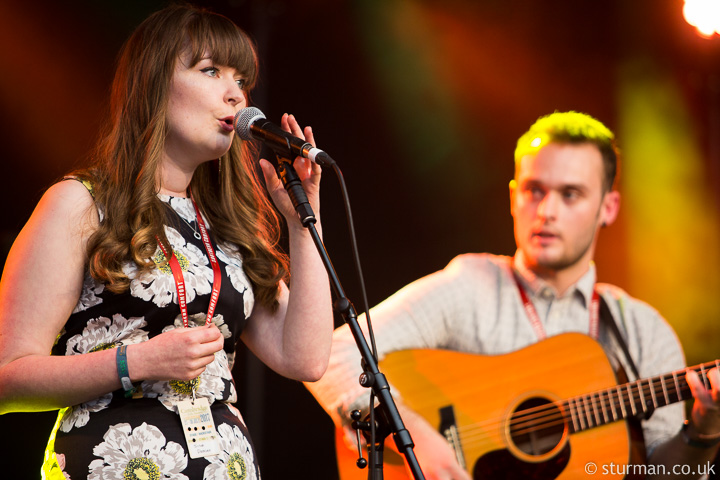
[{"x": 448, "y": 428}]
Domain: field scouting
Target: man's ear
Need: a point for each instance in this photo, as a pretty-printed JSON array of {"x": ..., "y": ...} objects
[
  {"x": 610, "y": 208},
  {"x": 513, "y": 187}
]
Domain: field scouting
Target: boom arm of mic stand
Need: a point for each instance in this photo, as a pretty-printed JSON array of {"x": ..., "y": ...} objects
[{"x": 374, "y": 379}]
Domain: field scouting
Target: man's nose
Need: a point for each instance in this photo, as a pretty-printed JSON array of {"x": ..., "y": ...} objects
[{"x": 549, "y": 206}]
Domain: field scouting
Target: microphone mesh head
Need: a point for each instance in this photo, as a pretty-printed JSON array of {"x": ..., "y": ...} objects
[{"x": 244, "y": 119}]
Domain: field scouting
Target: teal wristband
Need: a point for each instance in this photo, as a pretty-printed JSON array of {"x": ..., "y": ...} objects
[{"x": 122, "y": 369}]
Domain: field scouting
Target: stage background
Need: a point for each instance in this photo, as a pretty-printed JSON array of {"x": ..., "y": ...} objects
[{"x": 420, "y": 102}]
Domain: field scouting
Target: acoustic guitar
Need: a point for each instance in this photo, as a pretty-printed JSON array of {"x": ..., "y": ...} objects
[{"x": 522, "y": 414}]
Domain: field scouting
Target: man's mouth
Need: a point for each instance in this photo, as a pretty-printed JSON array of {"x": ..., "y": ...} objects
[{"x": 544, "y": 235}]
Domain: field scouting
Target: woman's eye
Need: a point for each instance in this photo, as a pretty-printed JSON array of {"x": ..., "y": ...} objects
[
  {"x": 241, "y": 83},
  {"x": 210, "y": 71}
]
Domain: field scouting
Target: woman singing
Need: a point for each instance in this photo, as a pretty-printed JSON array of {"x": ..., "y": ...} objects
[{"x": 126, "y": 292}]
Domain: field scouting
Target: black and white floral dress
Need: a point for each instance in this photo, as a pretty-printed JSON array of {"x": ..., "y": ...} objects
[{"x": 113, "y": 437}]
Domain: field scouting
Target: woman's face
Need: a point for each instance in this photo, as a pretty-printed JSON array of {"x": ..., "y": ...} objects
[{"x": 203, "y": 100}]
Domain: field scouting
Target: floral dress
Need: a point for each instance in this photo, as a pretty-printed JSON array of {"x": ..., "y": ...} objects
[{"x": 114, "y": 437}]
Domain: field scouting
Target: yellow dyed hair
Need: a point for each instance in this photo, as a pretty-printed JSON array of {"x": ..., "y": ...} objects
[{"x": 571, "y": 127}]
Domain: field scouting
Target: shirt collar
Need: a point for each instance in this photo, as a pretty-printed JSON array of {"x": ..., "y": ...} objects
[{"x": 536, "y": 286}]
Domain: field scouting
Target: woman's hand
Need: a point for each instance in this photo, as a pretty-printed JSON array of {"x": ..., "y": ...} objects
[
  {"x": 179, "y": 354},
  {"x": 308, "y": 172}
]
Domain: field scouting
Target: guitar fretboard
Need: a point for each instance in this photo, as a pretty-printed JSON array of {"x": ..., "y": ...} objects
[{"x": 633, "y": 399}]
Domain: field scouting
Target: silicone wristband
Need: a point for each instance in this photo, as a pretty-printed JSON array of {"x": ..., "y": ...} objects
[{"x": 122, "y": 369}]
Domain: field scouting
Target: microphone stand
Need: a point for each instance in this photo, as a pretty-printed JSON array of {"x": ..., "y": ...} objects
[{"x": 389, "y": 419}]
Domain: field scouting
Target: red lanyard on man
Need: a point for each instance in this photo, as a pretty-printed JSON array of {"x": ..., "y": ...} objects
[
  {"x": 180, "y": 280},
  {"x": 534, "y": 318}
]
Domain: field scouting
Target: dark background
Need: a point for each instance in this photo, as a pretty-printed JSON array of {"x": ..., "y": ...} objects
[{"x": 420, "y": 102}]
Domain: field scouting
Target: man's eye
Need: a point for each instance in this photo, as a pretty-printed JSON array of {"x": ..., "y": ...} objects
[{"x": 535, "y": 192}]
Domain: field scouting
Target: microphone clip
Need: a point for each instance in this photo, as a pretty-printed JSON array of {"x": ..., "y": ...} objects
[{"x": 291, "y": 181}]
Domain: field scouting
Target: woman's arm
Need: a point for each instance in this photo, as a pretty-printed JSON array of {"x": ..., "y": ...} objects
[
  {"x": 295, "y": 340},
  {"x": 40, "y": 287}
]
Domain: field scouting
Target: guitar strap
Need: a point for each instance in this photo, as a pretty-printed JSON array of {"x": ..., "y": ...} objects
[
  {"x": 638, "y": 453},
  {"x": 607, "y": 319}
]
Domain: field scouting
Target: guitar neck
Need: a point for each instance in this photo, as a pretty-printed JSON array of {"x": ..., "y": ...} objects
[{"x": 633, "y": 399}]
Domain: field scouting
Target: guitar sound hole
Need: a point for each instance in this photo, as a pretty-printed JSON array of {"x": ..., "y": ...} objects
[{"x": 537, "y": 426}]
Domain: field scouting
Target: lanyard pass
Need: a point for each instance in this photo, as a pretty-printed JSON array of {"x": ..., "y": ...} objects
[
  {"x": 198, "y": 427},
  {"x": 195, "y": 415}
]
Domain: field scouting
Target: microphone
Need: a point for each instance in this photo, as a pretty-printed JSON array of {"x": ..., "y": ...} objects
[{"x": 250, "y": 123}]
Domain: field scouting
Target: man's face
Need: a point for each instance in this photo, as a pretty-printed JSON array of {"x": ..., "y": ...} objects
[{"x": 558, "y": 205}]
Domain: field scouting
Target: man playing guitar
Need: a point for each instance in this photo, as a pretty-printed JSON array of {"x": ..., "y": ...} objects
[{"x": 561, "y": 197}]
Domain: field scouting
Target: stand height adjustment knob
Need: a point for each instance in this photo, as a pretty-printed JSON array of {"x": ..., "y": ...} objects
[{"x": 358, "y": 425}]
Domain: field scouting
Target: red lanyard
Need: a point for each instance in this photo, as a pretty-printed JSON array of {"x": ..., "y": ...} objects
[
  {"x": 180, "y": 280},
  {"x": 534, "y": 318}
]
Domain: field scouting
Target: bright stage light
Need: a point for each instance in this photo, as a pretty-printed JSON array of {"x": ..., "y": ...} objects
[{"x": 704, "y": 15}]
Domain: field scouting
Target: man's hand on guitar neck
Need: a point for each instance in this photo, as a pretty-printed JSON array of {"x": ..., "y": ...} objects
[
  {"x": 434, "y": 453},
  {"x": 705, "y": 416},
  {"x": 696, "y": 444}
]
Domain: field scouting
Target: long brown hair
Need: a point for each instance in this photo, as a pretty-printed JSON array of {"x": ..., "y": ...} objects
[{"x": 125, "y": 171}]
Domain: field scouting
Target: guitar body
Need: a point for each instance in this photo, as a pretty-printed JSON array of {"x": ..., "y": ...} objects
[{"x": 483, "y": 395}]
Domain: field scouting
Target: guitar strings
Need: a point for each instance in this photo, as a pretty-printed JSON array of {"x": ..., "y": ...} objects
[
  {"x": 527, "y": 421},
  {"x": 587, "y": 411},
  {"x": 544, "y": 417},
  {"x": 616, "y": 394}
]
